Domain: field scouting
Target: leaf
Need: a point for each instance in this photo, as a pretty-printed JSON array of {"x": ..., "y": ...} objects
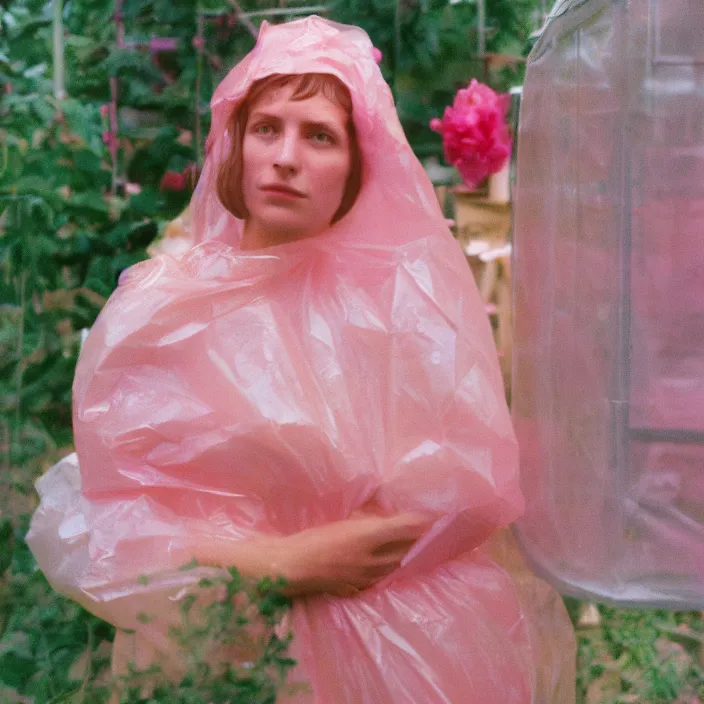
[
  {"x": 87, "y": 162},
  {"x": 134, "y": 63},
  {"x": 604, "y": 688},
  {"x": 66, "y": 697},
  {"x": 88, "y": 202},
  {"x": 6, "y": 544},
  {"x": 188, "y": 602},
  {"x": 83, "y": 120},
  {"x": 35, "y": 71},
  {"x": 147, "y": 203},
  {"x": 17, "y": 663}
]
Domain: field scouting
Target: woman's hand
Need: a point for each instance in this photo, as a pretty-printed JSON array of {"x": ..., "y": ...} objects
[{"x": 345, "y": 557}]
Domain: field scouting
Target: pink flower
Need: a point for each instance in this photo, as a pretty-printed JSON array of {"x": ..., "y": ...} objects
[
  {"x": 376, "y": 53},
  {"x": 107, "y": 137},
  {"x": 104, "y": 109},
  {"x": 132, "y": 189},
  {"x": 475, "y": 136},
  {"x": 173, "y": 181}
]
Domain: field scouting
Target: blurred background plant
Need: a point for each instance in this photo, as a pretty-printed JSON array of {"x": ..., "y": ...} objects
[{"x": 103, "y": 117}]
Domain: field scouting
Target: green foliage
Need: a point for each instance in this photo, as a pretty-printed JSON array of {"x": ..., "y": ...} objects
[
  {"x": 430, "y": 51},
  {"x": 640, "y": 655},
  {"x": 42, "y": 635},
  {"x": 245, "y": 617},
  {"x": 233, "y": 621},
  {"x": 65, "y": 236},
  {"x": 52, "y": 650}
]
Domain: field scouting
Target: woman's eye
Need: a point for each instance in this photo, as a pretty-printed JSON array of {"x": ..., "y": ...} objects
[
  {"x": 263, "y": 129},
  {"x": 322, "y": 138}
]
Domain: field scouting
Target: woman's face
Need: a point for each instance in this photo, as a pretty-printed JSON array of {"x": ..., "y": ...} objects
[{"x": 295, "y": 163}]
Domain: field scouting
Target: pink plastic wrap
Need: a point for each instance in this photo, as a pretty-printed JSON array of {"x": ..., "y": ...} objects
[
  {"x": 609, "y": 345},
  {"x": 263, "y": 392}
]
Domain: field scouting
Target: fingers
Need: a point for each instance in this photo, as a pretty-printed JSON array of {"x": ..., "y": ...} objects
[
  {"x": 402, "y": 528},
  {"x": 383, "y": 569},
  {"x": 346, "y": 591},
  {"x": 393, "y": 549},
  {"x": 357, "y": 585},
  {"x": 365, "y": 578}
]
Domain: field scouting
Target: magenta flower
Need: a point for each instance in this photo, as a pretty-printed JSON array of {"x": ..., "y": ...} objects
[{"x": 475, "y": 136}]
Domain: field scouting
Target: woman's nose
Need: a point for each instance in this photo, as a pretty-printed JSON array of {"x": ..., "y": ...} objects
[{"x": 287, "y": 156}]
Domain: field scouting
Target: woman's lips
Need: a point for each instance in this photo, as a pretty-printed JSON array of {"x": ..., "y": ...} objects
[{"x": 283, "y": 191}]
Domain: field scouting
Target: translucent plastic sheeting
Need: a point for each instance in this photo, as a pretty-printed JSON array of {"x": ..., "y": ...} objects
[
  {"x": 245, "y": 393},
  {"x": 609, "y": 275}
]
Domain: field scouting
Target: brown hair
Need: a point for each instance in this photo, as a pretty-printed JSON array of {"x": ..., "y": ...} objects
[{"x": 305, "y": 85}]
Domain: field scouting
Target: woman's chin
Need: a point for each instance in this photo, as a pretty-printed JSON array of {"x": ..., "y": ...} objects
[{"x": 284, "y": 230}]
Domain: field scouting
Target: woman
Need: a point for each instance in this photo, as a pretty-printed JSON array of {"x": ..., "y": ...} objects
[{"x": 311, "y": 391}]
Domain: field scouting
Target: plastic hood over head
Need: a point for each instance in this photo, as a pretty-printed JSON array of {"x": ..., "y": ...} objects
[
  {"x": 233, "y": 394},
  {"x": 395, "y": 187}
]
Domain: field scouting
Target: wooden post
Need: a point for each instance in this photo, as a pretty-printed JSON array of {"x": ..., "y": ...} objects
[
  {"x": 59, "y": 71},
  {"x": 397, "y": 44},
  {"x": 114, "y": 90},
  {"x": 481, "y": 39},
  {"x": 200, "y": 41},
  {"x": 481, "y": 28}
]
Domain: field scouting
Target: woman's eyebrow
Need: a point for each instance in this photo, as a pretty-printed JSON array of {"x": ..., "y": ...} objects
[
  {"x": 259, "y": 115},
  {"x": 323, "y": 126}
]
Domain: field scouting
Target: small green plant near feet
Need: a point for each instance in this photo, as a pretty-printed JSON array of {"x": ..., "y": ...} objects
[
  {"x": 44, "y": 638},
  {"x": 243, "y": 620},
  {"x": 634, "y": 656},
  {"x": 52, "y": 651}
]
